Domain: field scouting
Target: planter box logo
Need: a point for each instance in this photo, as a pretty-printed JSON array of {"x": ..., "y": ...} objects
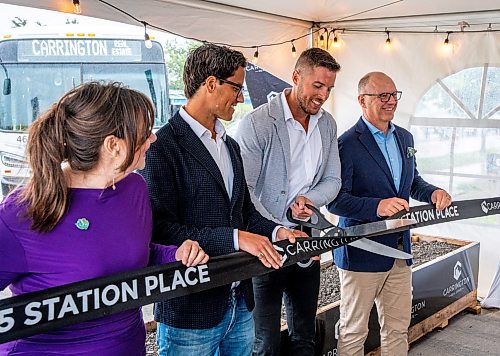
[
  {"x": 462, "y": 281},
  {"x": 486, "y": 207},
  {"x": 457, "y": 270}
]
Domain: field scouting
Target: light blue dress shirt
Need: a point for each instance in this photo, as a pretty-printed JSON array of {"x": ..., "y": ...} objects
[{"x": 389, "y": 148}]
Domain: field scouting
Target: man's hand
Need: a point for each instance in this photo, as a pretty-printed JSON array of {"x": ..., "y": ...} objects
[
  {"x": 391, "y": 206},
  {"x": 441, "y": 198},
  {"x": 191, "y": 254},
  {"x": 300, "y": 210},
  {"x": 289, "y": 234},
  {"x": 261, "y": 247}
]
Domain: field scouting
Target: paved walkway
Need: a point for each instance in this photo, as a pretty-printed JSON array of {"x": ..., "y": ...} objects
[{"x": 466, "y": 335}]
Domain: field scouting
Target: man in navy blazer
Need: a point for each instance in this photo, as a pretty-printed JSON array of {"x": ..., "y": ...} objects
[
  {"x": 379, "y": 175},
  {"x": 198, "y": 191}
]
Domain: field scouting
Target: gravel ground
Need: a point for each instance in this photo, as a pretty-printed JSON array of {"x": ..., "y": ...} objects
[
  {"x": 330, "y": 287},
  {"x": 151, "y": 348}
]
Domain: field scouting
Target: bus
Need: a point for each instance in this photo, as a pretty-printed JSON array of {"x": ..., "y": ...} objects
[{"x": 37, "y": 69}]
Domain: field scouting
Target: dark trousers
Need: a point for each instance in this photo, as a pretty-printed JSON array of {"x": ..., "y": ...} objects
[{"x": 300, "y": 287}]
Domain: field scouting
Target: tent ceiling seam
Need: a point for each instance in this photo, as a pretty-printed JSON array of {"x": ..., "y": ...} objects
[{"x": 405, "y": 18}]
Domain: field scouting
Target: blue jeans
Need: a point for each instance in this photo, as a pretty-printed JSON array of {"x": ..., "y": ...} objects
[{"x": 232, "y": 336}]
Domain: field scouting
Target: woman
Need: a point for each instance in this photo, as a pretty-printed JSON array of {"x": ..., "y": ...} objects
[{"x": 85, "y": 214}]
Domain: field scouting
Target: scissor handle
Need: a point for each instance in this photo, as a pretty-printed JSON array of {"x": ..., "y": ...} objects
[{"x": 321, "y": 224}]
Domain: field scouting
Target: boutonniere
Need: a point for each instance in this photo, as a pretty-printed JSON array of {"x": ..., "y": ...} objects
[{"x": 410, "y": 152}]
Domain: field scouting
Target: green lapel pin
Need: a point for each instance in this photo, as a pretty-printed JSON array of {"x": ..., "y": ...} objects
[{"x": 82, "y": 224}]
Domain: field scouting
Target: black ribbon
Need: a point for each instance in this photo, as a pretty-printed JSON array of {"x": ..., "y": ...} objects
[
  {"x": 54, "y": 308},
  {"x": 458, "y": 210}
]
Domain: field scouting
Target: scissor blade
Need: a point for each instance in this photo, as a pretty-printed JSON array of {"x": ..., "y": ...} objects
[
  {"x": 379, "y": 227},
  {"x": 379, "y": 249}
]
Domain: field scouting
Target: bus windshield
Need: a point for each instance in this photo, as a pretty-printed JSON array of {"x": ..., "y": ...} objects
[{"x": 31, "y": 85}]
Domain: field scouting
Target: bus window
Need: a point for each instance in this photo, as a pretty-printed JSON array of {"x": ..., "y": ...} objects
[
  {"x": 144, "y": 77},
  {"x": 33, "y": 89}
]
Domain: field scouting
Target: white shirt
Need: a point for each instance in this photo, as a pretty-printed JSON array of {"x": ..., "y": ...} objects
[
  {"x": 306, "y": 152},
  {"x": 217, "y": 147}
]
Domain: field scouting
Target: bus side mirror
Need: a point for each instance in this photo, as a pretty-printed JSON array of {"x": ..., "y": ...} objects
[{"x": 6, "y": 86}]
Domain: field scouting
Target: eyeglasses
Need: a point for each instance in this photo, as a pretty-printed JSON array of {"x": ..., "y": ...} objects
[
  {"x": 385, "y": 97},
  {"x": 238, "y": 87}
]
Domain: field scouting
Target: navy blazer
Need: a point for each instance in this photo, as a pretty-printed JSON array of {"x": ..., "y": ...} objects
[
  {"x": 189, "y": 201},
  {"x": 366, "y": 180}
]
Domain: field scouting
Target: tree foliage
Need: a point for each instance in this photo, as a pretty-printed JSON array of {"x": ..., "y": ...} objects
[{"x": 176, "y": 52}]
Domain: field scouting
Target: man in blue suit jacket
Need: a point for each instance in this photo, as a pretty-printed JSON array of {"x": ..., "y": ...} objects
[
  {"x": 198, "y": 191},
  {"x": 379, "y": 174}
]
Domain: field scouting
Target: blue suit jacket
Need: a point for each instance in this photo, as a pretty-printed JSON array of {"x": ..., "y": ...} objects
[
  {"x": 366, "y": 180},
  {"x": 189, "y": 201}
]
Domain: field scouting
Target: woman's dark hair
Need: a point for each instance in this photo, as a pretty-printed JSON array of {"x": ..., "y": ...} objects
[
  {"x": 72, "y": 132},
  {"x": 207, "y": 60}
]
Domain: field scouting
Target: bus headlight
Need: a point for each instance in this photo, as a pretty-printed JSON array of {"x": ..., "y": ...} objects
[{"x": 12, "y": 160}]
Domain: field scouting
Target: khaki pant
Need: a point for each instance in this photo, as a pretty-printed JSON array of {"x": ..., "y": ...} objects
[{"x": 391, "y": 292}]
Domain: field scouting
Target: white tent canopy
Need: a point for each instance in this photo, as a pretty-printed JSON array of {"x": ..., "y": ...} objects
[
  {"x": 242, "y": 22},
  {"x": 250, "y": 23},
  {"x": 415, "y": 62}
]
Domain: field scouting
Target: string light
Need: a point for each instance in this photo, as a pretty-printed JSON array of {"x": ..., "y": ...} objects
[
  {"x": 447, "y": 45},
  {"x": 322, "y": 40},
  {"x": 446, "y": 42},
  {"x": 147, "y": 40},
  {"x": 77, "y": 8},
  {"x": 314, "y": 30},
  {"x": 294, "y": 51},
  {"x": 335, "y": 41},
  {"x": 256, "y": 56},
  {"x": 388, "y": 43}
]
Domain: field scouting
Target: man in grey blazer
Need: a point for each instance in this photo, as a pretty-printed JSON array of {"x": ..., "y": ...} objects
[{"x": 290, "y": 155}]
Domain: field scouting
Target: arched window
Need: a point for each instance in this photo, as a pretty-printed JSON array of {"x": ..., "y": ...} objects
[{"x": 456, "y": 127}]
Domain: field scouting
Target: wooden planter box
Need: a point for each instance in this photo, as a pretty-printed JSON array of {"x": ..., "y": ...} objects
[{"x": 442, "y": 288}]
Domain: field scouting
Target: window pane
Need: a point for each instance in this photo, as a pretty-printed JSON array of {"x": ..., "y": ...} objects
[
  {"x": 474, "y": 148},
  {"x": 492, "y": 93},
  {"x": 466, "y": 85},
  {"x": 433, "y": 148},
  {"x": 34, "y": 88},
  {"x": 441, "y": 181},
  {"x": 438, "y": 103},
  {"x": 144, "y": 77}
]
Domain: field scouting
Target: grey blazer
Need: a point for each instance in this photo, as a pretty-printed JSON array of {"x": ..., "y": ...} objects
[{"x": 265, "y": 149}]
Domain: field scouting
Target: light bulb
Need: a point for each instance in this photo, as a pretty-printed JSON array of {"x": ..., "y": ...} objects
[
  {"x": 321, "y": 41},
  {"x": 77, "y": 8},
  {"x": 256, "y": 56},
  {"x": 147, "y": 41},
  {"x": 446, "y": 42},
  {"x": 447, "y": 45},
  {"x": 335, "y": 42},
  {"x": 388, "y": 43}
]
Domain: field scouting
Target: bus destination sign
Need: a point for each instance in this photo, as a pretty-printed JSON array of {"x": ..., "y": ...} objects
[{"x": 77, "y": 50}]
